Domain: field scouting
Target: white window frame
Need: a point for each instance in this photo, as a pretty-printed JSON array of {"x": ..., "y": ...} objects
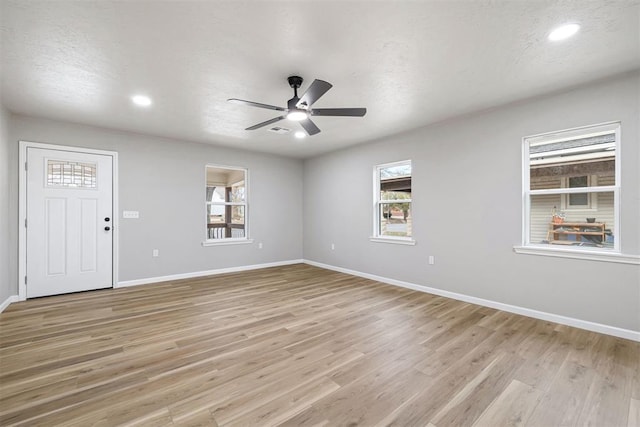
[
  {"x": 598, "y": 254},
  {"x": 377, "y": 202},
  {"x": 230, "y": 240}
]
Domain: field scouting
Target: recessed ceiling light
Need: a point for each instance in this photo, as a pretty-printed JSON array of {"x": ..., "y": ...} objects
[
  {"x": 563, "y": 32},
  {"x": 299, "y": 134},
  {"x": 141, "y": 100}
]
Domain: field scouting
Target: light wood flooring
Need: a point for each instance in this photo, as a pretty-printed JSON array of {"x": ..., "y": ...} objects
[{"x": 303, "y": 346}]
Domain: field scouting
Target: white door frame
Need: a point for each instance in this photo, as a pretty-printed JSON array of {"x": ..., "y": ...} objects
[{"x": 22, "y": 208}]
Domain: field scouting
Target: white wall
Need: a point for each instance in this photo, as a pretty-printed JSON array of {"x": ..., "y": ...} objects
[
  {"x": 467, "y": 208},
  {"x": 164, "y": 180},
  {"x": 6, "y": 285}
]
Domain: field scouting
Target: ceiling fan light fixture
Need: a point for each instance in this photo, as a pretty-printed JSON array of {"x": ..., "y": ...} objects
[
  {"x": 300, "y": 134},
  {"x": 297, "y": 115}
]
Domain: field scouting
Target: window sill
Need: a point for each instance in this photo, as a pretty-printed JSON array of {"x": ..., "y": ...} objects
[
  {"x": 394, "y": 240},
  {"x": 222, "y": 242},
  {"x": 584, "y": 254}
]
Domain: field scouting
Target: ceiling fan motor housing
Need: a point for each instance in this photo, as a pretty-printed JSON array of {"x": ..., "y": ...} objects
[{"x": 295, "y": 81}]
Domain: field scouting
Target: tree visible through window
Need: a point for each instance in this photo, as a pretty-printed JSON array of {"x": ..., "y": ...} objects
[
  {"x": 226, "y": 203},
  {"x": 392, "y": 214}
]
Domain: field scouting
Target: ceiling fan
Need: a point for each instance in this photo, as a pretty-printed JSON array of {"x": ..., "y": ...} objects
[{"x": 299, "y": 109}]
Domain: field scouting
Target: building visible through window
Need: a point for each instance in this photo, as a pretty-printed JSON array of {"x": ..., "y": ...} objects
[{"x": 572, "y": 191}]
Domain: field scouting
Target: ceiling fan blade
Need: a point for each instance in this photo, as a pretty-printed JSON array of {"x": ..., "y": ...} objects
[
  {"x": 255, "y": 104},
  {"x": 347, "y": 112},
  {"x": 268, "y": 122},
  {"x": 313, "y": 93},
  {"x": 310, "y": 127}
]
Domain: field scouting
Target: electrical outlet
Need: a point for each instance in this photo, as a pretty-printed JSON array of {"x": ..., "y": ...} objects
[
  {"x": 260, "y": 245},
  {"x": 333, "y": 247},
  {"x": 432, "y": 260},
  {"x": 156, "y": 253}
]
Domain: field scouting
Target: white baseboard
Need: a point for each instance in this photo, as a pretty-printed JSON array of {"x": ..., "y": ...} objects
[
  {"x": 5, "y": 303},
  {"x": 205, "y": 273},
  {"x": 569, "y": 321}
]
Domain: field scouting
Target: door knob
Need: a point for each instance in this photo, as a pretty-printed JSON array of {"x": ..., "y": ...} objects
[
  {"x": 107, "y": 228},
  {"x": 107, "y": 219}
]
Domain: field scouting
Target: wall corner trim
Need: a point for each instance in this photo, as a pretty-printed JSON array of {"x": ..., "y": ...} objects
[
  {"x": 9, "y": 300},
  {"x": 563, "y": 320},
  {"x": 180, "y": 276}
]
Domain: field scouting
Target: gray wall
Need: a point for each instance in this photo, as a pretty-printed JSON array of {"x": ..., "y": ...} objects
[
  {"x": 6, "y": 285},
  {"x": 164, "y": 180},
  {"x": 467, "y": 208}
]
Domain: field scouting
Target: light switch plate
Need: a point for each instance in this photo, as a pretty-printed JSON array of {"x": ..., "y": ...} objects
[{"x": 130, "y": 214}]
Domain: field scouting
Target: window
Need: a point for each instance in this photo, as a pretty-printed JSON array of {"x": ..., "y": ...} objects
[
  {"x": 571, "y": 189},
  {"x": 580, "y": 201},
  {"x": 392, "y": 202},
  {"x": 226, "y": 204}
]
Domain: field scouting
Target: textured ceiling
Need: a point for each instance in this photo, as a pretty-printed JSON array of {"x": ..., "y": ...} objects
[{"x": 410, "y": 63}]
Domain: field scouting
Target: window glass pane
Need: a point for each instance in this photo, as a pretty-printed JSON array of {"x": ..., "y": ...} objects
[
  {"x": 590, "y": 160},
  {"x": 580, "y": 199},
  {"x": 216, "y": 214},
  {"x": 396, "y": 195},
  {"x": 552, "y": 226},
  {"x": 237, "y": 214},
  {"x": 216, "y": 222},
  {"x": 578, "y": 181},
  {"x": 395, "y": 219},
  {"x": 225, "y": 201},
  {"x": 395, "y": 182},
  {"x": 237, "y": 192},
  {"x": 216, "y": 194},
  {"x": 70, "y": 174},
  {"x": 217, "y": 225}
]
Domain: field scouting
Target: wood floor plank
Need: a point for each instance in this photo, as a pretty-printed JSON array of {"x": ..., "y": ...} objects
[
  {"x": 299, "y": 345},
  {"x": 634, "y": 413},
  {"x": 287, "y": 405},
  {"x": 466, "y": 405},
  {"x": 565, "y": 400},
  {"x": 512, "y": 407}
]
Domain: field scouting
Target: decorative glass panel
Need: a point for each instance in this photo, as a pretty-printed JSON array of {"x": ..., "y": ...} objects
[{"x": 62, "y": 173}]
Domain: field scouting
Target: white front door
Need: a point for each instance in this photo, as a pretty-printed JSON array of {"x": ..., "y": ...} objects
[{"x": 69, "y": 221}]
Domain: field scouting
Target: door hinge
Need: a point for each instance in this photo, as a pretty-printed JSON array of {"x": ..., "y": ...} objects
[
  {"x": 25, "y": 280},
  {"x": 25, "y": 223},
  {"x": 25, "y": 165}
]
